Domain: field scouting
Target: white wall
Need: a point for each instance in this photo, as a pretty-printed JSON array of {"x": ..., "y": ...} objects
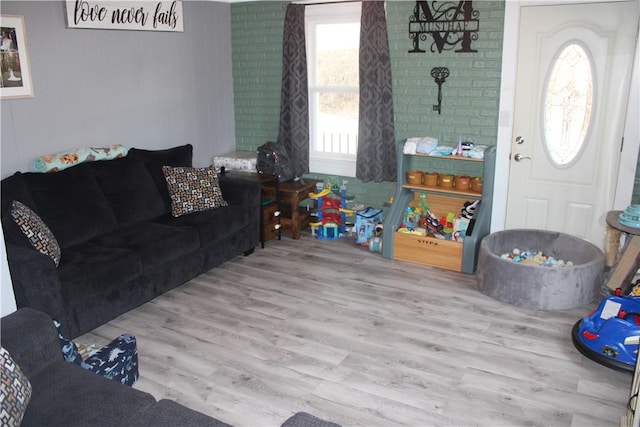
[
  {"x": 7, "y": 299},
  {"x": 142, "y": 89}
]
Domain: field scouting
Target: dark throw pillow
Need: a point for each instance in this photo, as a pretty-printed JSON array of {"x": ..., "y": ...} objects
[
  {"x": 193, "y": 189},
  {"x": 39, "y": 235}
]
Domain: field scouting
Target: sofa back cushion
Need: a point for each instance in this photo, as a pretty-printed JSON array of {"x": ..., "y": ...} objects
[
  {"x": 129, "y": 189},
  {"x": 71, "y": 203},
  {"x": 154, "y": 160}
]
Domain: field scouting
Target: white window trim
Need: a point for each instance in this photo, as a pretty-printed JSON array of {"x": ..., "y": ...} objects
[{"x": 321, "y": 162}]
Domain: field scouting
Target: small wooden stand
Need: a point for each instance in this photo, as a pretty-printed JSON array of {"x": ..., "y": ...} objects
[
  {"x": 291, "y": 193},
  {"x": 627, "y": 266},
  {"x": 287, "y": 196}
]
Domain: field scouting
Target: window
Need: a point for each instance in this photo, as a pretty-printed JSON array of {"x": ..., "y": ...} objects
[
  {"x": 568, "y": 104},
  {"x": 333, "y": 35}
]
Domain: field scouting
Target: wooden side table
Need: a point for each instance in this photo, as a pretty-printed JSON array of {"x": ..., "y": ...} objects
[
  {"x": 629, "y": 262},
  {"x": 291, "y": 194}
]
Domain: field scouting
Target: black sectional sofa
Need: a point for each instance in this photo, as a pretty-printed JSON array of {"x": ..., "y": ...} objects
[
  {"x": 64, "y": 394},
  {"x": 120, "y": 244}
]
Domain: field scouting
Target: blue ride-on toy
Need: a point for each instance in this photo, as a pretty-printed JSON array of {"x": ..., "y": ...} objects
[{"x": 610, "y": 334}]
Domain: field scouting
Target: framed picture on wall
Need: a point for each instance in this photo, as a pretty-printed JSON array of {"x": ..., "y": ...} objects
[{"x": 14, "y": 59}]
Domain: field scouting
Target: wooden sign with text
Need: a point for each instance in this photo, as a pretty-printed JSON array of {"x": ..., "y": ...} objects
[{"x": 125, "y": 15}]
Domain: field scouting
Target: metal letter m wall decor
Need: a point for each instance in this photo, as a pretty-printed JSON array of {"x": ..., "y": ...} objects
[{"x": 450, "y": 24}]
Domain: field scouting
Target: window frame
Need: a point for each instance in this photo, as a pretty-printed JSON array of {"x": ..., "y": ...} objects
[{"x": 342, "y": 164}]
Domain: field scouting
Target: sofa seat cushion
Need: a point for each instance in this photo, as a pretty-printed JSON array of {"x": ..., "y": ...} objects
[
  {"x": 212, "y": 225},
  {"x": 88, "y": 269},
  {"x": 71, "y": 203},
  {"x": 154, "y": 243},
  {"x": 129, "y": 189},
  {"x": 67, "y": 395}
]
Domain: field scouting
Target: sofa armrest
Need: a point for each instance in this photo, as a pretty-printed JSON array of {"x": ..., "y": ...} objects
[
  {"x": 31, "y": 339},
  {"x": 242, "y": 192},
  {"x": 36, "y": 282},
  {"x": 169, "y": 413}
]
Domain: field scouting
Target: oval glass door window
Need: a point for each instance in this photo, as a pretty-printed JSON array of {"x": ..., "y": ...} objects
[{"x": 567, "y": 104}]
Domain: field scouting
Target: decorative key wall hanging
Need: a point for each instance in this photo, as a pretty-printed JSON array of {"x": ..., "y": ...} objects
[{"x": 439, "y": 74}]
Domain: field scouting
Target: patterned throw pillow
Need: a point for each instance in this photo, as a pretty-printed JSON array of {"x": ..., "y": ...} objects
[
  {"x": 36, "y": 231},
  {"x": 193, "y": 189},
  {"x": 15, "y": 391}
]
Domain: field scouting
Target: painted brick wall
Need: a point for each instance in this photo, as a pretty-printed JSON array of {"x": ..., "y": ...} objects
[
  {"x": 470, "y": 94},
  {"x": 256, "y": 33}
]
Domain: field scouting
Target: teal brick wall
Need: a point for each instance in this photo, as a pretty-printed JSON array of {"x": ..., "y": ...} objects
[
  {"x": 470, "y": 94},
  {"x": 256, "y": 32}
]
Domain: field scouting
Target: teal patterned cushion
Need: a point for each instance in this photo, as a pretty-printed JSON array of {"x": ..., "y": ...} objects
[
  {"x": 41, "y": 238},
  {"x": 15, "y": 391},
  {"x": 193, "y": 189}
]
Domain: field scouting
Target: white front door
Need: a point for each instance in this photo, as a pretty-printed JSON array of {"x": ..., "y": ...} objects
[{"x": 573, "y": 76}]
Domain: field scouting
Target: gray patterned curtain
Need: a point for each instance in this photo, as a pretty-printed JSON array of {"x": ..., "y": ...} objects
[
  {"x": 294, "y": 103},
  {"x": 376, "y": 135}
]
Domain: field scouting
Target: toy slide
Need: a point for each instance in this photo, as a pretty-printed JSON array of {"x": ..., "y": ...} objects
[{"x": 323, "y": 193}]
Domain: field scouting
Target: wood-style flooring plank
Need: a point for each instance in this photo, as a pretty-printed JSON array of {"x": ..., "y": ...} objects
[{"x": 333, "y": 329}]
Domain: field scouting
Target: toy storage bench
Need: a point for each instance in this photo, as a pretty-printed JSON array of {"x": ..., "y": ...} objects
[{"x": 429, "y": 250}]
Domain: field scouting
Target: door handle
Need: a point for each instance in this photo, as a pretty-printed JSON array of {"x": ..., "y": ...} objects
[{"x": 518, "y": 157}]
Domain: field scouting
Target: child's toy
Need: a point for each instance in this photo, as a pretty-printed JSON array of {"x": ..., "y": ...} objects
[
  {"x": 375, "y": 243},
  {"x": 366, "y": 221},
  {"x": 469, "y": 209},
  {"x": 635, "y": 289},
  {"x": 332, "y": 211},
  {"x": 447, "y": 225},
  {"x": 412, "y": 217},
  {"x": 434, "y": 226},
  {"x": 417, "y": 231},
  {"x": 610, "y": 334},
  {"x": 460, "y": 226},
  {"x": 534, "y": 258}
]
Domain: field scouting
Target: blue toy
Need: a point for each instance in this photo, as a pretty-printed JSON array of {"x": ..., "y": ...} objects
[{"x": 610, "y": 334}]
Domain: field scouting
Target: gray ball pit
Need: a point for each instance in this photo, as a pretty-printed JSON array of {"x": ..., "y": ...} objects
[{"x": 538, "y": 287}]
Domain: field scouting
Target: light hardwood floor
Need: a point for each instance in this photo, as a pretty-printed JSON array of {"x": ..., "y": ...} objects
[{"x": 332, "y": 329}]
